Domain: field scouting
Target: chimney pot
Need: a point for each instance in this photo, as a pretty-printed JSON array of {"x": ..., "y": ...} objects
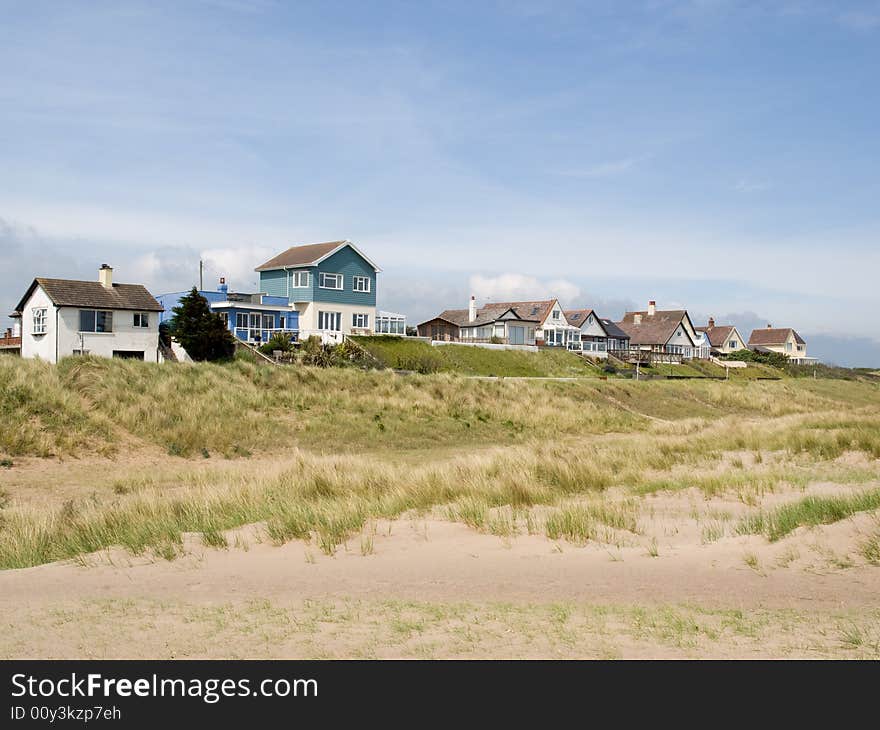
[
  {"x": 711, "y": 322},
  {"x": 472, "y": 309},
  {"x": 105, "y": 276},
  {"x": 652, "y": 308}
]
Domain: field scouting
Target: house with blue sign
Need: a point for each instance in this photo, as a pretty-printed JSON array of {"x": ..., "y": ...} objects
[
  {"x": 251, "y": 318},
  {"x": 332, "y": 287}
]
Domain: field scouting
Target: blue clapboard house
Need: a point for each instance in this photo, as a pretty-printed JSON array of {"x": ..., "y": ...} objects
[{"x": 252, "y": 318}]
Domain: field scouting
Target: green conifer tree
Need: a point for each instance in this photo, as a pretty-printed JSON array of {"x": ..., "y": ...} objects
[{"x": 200, "y": 331}]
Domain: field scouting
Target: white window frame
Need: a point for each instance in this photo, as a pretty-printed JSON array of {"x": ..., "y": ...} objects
[
  {"x": 224, "y": 317},
  {"x": 271, "y": 317},
  {"x": 360, "y": 320},
  {"x": 335, "y": 320},
  {"x": 364, "y": 280},
  {"x": 239, "y": 324},
  {"x": 39, "y": 320},
  {"x": 300, "y": 279},
  {"x": 325, "y": 274},
  {"x": 141, "y": 320},
  {"x": 733, "y": 344}
]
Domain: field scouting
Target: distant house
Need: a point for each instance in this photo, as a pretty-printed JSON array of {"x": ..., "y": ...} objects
[
  {"x": 723, "y": 339},
  {"x": 252, "y": 318},
  {"x": 661, "y": 332},
  {"x": 61, "y": 317},
  {"x": 780, "y": 339},
  {"x": 331, "y": 285},
  {"x": 597, "y": 335},
  {"x": 10, "y": 342},
  {"x": 539, "y": 322}
]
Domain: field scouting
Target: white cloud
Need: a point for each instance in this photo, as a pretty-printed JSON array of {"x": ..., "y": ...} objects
[
  {"x": 513, "y": 287},
  {"x": 236, "y": 265}
]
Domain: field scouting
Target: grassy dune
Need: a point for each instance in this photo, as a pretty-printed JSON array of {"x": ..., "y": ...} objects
[
  {"x": 406, "y": 354},
  {"x": 339, "y": 448}
]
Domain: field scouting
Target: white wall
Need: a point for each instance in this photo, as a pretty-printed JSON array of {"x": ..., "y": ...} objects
[
  {"x": 125, "y": 336},
  {"x": 62, "y": 333},
  {"x": 41, "y": 346},
  {"x": 308, "y": 314}
]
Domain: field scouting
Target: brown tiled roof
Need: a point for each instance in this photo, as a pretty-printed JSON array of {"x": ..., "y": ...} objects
[
  {"x": 72, "y": 293},
  {"x": 484, "y": 315},
  {"x": 577, "y": 317},
  {"x": 773, "y": 336},
  {"x": 653, "y": 330},
  {"x": 300, "y": 255},
  {"x": 536, "y": 310},
  {"x": 717, "y": 335}
]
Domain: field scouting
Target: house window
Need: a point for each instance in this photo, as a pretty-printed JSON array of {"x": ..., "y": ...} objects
[
  {"x": 141, "y": 319},
  {"x": 91, "y": 320},
  {"x": 241, "y": 320},
  {"x": 330, "y": 321},
  {"x": 360, "y": 321},
  {"x": 331, "y": 281},
  {"x": 733, "y": 344},
  {"x": 800, "y": 348},
  {"x": 362, "y": 283},
  {"x": 679, "y": 332},
  {"x": 590, "y": 320},
  {"x": 556, "y": 314},
  {"x": 299, "y": 279},
  {"x": 39, "y": 320},
  {"x": 268, "y": 321},
  {"x": 224, "y": 318},
  {"x": 788, "y": 347}
]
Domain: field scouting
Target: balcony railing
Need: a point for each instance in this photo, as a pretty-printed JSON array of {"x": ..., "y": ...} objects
[{"x": 263, "y": 334}]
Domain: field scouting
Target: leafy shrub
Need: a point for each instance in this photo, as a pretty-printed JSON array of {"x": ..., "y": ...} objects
[{"x": 279, "y": 341}]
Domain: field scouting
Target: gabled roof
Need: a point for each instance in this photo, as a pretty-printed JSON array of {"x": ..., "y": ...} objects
[
  {"x": 717, "y": 335},
  {"x": 537, "y": 310},
  {"x": 773, "y": 336},
  {"x": 92, "y": 294},
  {"x": 310, "y": 254},
  {"x": 484, "y": 316},
  {"x": 654, "y": 329},
  {"x": 577, "y": 318}
]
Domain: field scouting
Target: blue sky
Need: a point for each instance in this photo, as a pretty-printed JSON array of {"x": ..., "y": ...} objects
[{"x": 720, "y": 156}]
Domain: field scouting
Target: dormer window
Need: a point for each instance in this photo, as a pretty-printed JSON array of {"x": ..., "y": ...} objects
[{"x": 556, "y": 314}]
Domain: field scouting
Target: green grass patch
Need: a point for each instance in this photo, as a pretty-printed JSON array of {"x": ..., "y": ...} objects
[{"x": 809, "y": 511}]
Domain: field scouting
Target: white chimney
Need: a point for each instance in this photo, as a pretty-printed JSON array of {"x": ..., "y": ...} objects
[
  {"x": 652, "y": 308},
  {"x": 472, "y": 309},
  {"x": 105, "y": 276}
]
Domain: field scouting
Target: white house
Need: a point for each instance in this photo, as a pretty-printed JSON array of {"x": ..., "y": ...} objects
[
  {"x": 532, "y": 323},
  {"x": 61, "y": 317},
  {"x": 723, "y": 339},
  {"x": 662, "y": 332}
]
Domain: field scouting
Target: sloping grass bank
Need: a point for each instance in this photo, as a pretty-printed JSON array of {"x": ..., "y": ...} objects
[
  {"x": 88, "y": 405},
  {"x": 407, "y": 354}
]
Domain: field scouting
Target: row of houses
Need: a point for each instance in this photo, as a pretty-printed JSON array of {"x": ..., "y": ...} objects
[
  {"x": 650, "y": 335},
  {"x": 324, "y": 289},
  {"x": 329, "y": 290}
]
